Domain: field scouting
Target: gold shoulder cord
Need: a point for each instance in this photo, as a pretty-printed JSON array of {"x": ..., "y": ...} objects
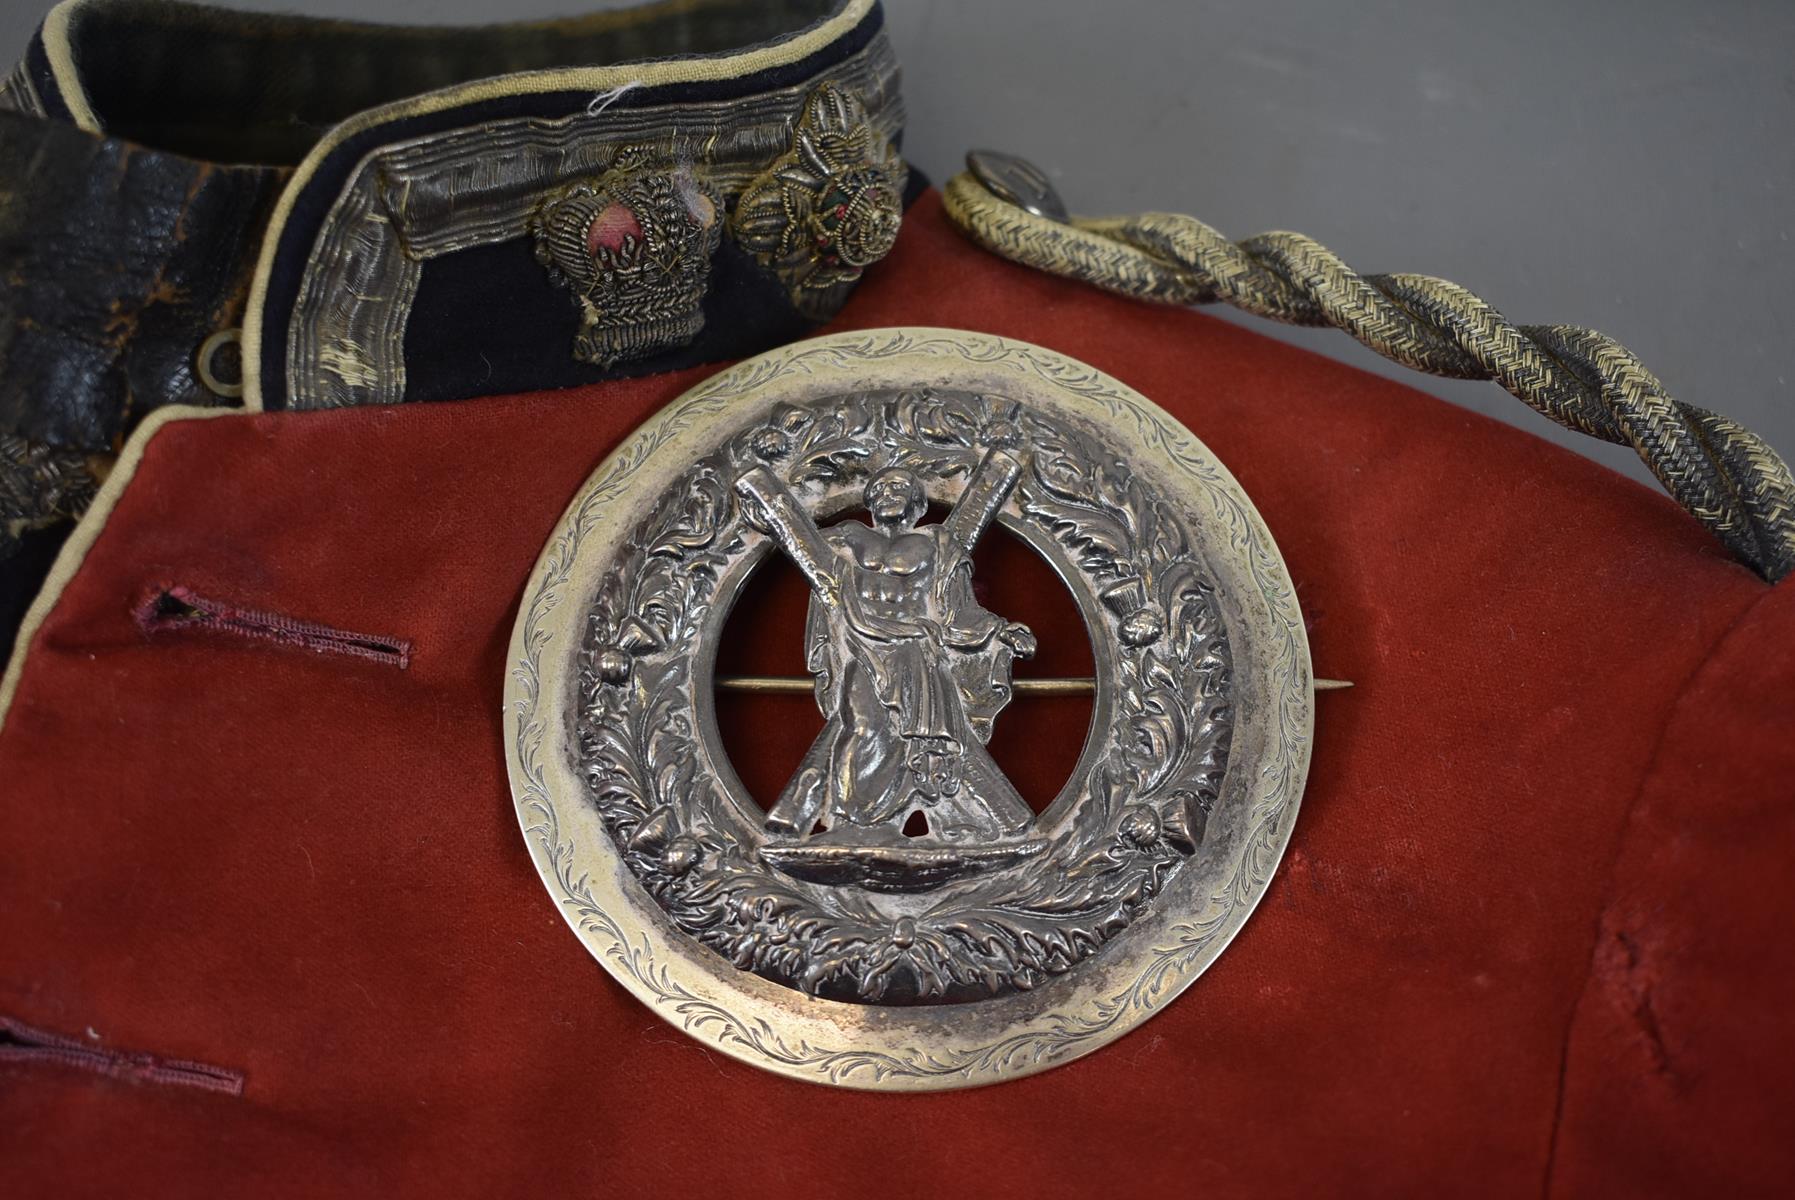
[{"x": 1727, "y": 477}]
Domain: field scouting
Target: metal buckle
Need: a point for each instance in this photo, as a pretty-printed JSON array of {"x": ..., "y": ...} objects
[
  {"x": 819, "y": 940},
  {"x": 1018, "y": 181}
]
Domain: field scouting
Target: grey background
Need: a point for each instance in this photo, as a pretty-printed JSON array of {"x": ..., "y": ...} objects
[{"x": 1623, "y": 164}]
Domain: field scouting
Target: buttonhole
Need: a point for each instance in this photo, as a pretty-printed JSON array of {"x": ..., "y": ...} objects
[
  {"x": 174, "y": 608},
  {"x": 20, "y": 1043}
]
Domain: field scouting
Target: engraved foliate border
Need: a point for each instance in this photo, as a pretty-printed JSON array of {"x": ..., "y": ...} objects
[{"x": 857, "y": 1045}]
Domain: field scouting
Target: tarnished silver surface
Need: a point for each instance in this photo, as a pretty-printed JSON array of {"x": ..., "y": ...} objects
[
  {"x": 819, "y": 939},
  {"x": 897, "y": 793},
  {"x": 911, "y": 673}
]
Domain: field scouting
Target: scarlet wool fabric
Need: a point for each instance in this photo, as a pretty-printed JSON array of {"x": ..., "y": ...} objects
[{"x": 1532, "y": 935}]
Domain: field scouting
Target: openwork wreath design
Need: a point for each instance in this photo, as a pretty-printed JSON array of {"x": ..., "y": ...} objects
[
  {"x": 1131, "y": 818},
  {"x": 923, "y": 1047}
]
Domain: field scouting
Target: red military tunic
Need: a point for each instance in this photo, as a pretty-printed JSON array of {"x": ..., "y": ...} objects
[{"x": 1530, "y": 935}]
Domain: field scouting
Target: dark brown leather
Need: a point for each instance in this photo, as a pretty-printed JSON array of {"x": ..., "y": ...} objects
[
  {"x": 120, "y": 261},
  {"x": 124, "y": 251}
]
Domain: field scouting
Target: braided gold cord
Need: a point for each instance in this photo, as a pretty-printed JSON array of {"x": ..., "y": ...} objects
[{"x": 1723, "y": 474}]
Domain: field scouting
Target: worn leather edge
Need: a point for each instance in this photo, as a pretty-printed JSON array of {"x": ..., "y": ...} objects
[
  {"x": 595, "y": 79},
  {"x": 87, "y": 531}
]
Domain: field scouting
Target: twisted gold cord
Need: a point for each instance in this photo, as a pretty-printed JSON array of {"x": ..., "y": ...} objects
[{"x": 1723, "y": 474}]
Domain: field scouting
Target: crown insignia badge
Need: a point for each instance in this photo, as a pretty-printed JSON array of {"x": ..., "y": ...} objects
[{"x": 634, "y": 246}]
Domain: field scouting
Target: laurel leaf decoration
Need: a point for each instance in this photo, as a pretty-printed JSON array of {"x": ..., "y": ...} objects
[{"x": 1129, "y": 830}]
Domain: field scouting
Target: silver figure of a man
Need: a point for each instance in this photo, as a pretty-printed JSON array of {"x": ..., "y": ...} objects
[{"x": 910, "y": 670}]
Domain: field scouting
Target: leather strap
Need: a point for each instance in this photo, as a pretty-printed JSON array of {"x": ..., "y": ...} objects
[
  {"x": 363, "y": 194},
  {"x": 121, "y": 262}
]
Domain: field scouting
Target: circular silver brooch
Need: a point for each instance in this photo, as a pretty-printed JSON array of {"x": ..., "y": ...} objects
[{"x": 896, "y": 914}]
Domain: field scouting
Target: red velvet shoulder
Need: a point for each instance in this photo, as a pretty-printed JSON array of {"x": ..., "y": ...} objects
[{"x": 1528, "y": 935}]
